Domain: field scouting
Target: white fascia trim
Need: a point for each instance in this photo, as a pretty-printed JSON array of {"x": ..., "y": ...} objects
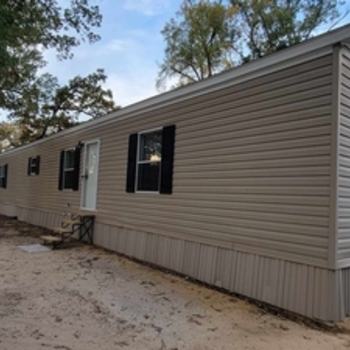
[{"x": 308, "y": 50}]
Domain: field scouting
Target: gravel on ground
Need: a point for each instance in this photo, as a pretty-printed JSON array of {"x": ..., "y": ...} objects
[{"x": 84, "y": 298}]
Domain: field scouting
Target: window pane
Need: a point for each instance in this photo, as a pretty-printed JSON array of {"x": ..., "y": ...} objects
[
  {"x": 151, "y": 146},
  {"x": 68, "y": 179},
  {"x": 32, "y": 165},
  {"x": 148, "y": 177},
  {"x": 1, "y": 171},
  {"x": 69, "y": 159},
  {"x": 33, "y": 162}
]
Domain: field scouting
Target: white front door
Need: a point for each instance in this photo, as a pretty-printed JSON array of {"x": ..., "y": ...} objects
[{"x": 90, "y": 175}]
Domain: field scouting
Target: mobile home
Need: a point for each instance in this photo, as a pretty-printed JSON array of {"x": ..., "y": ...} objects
[{"x": 241, "y": 180}]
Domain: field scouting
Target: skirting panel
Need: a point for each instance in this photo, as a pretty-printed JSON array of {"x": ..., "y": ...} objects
[
  {"x": 343, "y": 284},
  {"x": 306, "y": 290},
  {"x": 33, "y": 216},
  {"x": 310, "y": 291},
  {"x": 39, "y": 217}
]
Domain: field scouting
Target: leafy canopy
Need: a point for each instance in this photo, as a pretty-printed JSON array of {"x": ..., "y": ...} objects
[
  {"x": 38, "y": 105},
  {"x": 198, "y": 42},
  {"x": 28, "y": 27},
  {"x": 271, "y": 25},
  {"x": 46, "y": 107},
  {"x": 208, "y": 36}
]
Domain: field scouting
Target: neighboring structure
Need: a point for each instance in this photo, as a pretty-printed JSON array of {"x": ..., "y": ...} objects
[{"x": 241, "y": 180}]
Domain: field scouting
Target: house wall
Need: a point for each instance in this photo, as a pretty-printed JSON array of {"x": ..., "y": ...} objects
[
  {"x": 251, "y": 185},
  {"x": 344, "y": 160},
  {"x": 252, "y": 168}
]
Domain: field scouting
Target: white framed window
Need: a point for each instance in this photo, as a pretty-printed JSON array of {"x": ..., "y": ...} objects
[
  {"x": 68, "y": 169},
  {"x": 149, "y": 158}
]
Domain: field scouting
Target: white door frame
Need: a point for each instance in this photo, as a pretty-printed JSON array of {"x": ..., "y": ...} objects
[{"x": 83, "y": 175}]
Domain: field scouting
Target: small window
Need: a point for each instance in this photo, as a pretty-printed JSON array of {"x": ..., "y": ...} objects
[
  {"x": 33, "y": 165},
  {"x": 149, "y": 161},
  {"x": 68, "y": 169}
]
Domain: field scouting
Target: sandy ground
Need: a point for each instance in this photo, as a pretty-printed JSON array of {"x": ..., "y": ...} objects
[{"x": 84, "y": 298}]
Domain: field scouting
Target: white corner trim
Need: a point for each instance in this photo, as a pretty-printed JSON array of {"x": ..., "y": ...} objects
[{"x": 308, "y": 50}]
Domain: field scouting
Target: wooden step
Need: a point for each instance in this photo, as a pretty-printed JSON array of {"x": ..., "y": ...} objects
[
  {"x": 51, "y": 239},
  {"x": 82, "y": 214},
  {"x": 71, "y": 222},
  {"x": 62, "y": 230}
]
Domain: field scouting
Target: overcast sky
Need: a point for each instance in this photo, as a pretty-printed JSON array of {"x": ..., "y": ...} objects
[{"x": 130, "y": 47}]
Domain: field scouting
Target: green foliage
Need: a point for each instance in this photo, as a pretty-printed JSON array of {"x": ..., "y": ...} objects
[
  {"x": 10, "y": 135},
  {"x": 271, "y": 25},
  {"x": 28, "y": 27},
  {"x": 198, "y": 42},
  {"x": 208, "y": 36},
  {"x": 38, "y": 105},
  {"x": 45, "y": 107}
]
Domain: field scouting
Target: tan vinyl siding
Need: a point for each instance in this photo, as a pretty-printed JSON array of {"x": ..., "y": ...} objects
[
  {"x": 252, "y": 168},
  {"x": 344, "y": 161}
]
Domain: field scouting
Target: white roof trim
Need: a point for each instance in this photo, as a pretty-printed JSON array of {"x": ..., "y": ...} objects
[{"x": 310, "y": 49}]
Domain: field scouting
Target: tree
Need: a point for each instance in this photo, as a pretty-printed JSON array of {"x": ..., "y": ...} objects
[
  {"x": 207, "y": 37},
  {"x": 46, "y": 108},
  {"x": 10, "y": 135},
  {"x": 198, "y": 42},
  {"x": 271, "y": 25},
  {"x": 38, "y": 105},
  {"x": 28, "y": 27}
]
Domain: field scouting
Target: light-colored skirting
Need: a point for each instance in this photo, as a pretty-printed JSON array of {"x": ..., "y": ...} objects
[{"x": 310, "y": 291}]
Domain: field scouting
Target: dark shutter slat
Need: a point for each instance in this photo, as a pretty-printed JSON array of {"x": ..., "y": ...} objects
[
  {"x": 60, "y": 176},
  {"x": 131, "y": 169},
  {"x": 29, "y": 163},
  {"x": 76, "y": 169},
  {"x": 2, "y": 180},
  {"x": 166, "y": 173},
  {"x": 5, "y": 179},
  {"x": 37, "y": 168}
]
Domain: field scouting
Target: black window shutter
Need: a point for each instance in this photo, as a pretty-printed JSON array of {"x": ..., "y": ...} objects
[
  {"x": 29, "y": 165},
  {"x": 2, "y": 180},
  {"x": 60, "y": 176},
  {"x": 131, "y": 170},
  {"x": 76, "y": 169},
  {"x": 5, "y": 179},
  {"x": 166, "y": 172},
  {"x": 37, "y": 169}
]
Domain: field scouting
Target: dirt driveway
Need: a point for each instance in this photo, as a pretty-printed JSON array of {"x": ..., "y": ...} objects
[{"x": 83, "y": 298}]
